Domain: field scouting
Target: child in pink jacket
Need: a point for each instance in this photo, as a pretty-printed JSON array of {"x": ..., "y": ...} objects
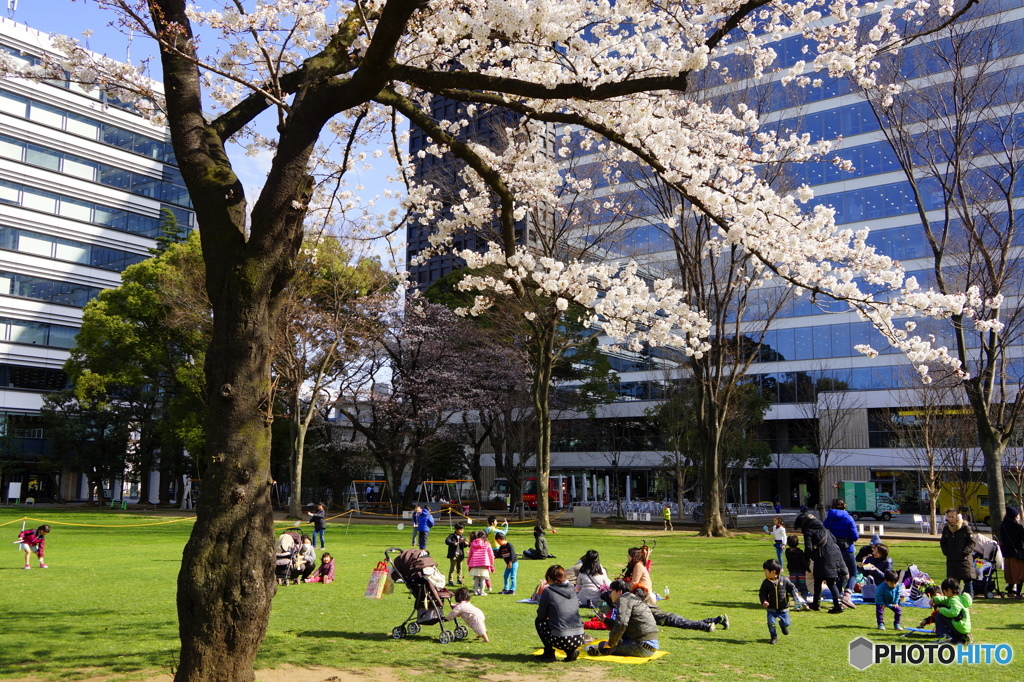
[{"x": 480, "y": 562}]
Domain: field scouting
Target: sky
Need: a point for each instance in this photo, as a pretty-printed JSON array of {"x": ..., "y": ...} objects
[{"x": 72, "y": 17}]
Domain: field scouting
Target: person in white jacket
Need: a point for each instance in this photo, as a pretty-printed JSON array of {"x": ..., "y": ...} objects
[
  {"x": 779, "y": 535},
  {"x": 591, "y": 579}
]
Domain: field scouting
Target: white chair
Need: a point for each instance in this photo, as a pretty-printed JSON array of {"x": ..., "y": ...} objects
[{"x": 923, "y": 523}]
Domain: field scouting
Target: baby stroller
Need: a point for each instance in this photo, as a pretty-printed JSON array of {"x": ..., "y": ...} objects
[
  {"x": 283, "y": 567},
  {"x": 418, "y": 571},
  {"x": 987, "y": 559}
]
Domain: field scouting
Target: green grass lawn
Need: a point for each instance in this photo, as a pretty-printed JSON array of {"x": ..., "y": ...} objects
[{"x": 105, "y": 609}]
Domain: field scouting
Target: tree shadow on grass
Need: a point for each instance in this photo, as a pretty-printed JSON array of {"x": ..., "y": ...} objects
[
  {"x": 337, "y": 634},
  {"x": 1006, "y": 626},
  {"x": 690, "y": 607},
  {"x": 842, "y": 626}
]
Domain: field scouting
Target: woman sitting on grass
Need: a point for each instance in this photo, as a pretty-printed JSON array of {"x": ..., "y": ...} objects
[{"x": 591, "y": 580}]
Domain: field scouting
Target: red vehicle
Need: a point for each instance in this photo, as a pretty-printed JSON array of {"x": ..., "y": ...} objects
[{"x": 558, "y": 491}]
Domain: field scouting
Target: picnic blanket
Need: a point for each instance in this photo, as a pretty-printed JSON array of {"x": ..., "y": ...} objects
[
  {"x": 633, "y": 660},
  {"x": 921, "y": 603}
]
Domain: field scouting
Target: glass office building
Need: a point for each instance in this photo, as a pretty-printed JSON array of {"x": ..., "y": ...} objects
[
  {"x": 808, "y": 366},
  {"x": 810, "y": 346}
]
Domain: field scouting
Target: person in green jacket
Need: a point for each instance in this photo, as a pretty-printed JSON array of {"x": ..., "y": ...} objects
[
  {"x": 666, "y": 516},
  {"x": 953, "y": 618}
]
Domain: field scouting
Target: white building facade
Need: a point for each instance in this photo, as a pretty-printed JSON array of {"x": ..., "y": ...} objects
[{"x": 83, "y": 181}]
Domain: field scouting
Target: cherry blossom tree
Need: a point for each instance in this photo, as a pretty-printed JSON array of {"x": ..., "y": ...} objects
[
  {"x": 327, "y": 75},
  {"x": 438, "y": 366}
]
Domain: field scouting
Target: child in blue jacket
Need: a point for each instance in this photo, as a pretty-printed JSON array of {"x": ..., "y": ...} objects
[
  {"x": 888, "y": 596},
  {"x": 424, "y": 522}
]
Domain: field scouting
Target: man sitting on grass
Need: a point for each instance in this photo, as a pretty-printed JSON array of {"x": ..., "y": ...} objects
[{"x": 634, "y": 632}]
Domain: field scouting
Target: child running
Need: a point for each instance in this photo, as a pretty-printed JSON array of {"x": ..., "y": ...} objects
[
  {"x": 480, "y": 562},
  {"x": 472, "y": 615},
  {"x": 888, "y": 596},
  {"x": 33, "y": 541},
  {"x": 775, "y": 593}
]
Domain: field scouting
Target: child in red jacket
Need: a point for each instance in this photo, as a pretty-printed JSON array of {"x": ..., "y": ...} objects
[{"x": 32, "y": 541}]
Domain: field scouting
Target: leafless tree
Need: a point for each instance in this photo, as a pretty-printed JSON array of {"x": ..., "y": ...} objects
[
  {"x": 955, "y": 132},
  {"x": 831, "y": 416},
  {"x": 929, "y": 429}
]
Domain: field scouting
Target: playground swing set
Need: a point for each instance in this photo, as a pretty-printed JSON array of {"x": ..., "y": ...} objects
[{"x": 451, "y": 495}]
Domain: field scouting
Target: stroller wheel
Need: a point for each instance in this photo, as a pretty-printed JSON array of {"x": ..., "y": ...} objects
[
  {"x": 461, "y": 632},
  {"x": 445, "y": 637},
  {"x": 398, "y": 632},
  {"x": 413, "y": 628}
]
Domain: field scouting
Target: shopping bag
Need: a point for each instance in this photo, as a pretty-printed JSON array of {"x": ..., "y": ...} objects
[
  {"x": 389, "y": 585},
  {"x": 378, "y": 579}
]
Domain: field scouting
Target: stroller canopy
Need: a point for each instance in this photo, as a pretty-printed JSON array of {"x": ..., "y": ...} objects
[{"x": 411, "y": 562}]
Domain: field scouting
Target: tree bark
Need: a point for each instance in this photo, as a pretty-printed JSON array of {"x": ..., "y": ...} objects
[
  {"x": 542, "y": 407},
  {"x": 709, "y": 423},
  {"x": 992, "y": 449},
  {"x": 298, "y": 440}
]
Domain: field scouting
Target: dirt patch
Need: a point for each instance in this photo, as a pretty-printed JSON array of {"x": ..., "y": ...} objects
[
  {"x": 588, "y": 674},
  {"x": 642, "y": 533},
  {"x": 285, "y": 673},
  {"x": 290, "y": 673}
]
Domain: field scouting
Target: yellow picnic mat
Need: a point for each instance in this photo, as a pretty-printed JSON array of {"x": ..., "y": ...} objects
[{"x": 635, "y": 660}]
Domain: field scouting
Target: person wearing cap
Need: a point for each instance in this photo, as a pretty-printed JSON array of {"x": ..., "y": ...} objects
[{"x": 866, "y": 551}]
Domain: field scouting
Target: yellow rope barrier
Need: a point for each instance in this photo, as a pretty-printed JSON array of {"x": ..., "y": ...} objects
[
  {"x": 98, "y": 525},
  {"x": 190, "y": 518},
  {"x": 296, "y": 522}
]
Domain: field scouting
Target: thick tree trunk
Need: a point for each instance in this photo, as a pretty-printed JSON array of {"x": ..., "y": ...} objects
[
  {"x": 226, "y": 581},
  {"x": 992, "y": 449},
  {"x": 713, "y": 500}
]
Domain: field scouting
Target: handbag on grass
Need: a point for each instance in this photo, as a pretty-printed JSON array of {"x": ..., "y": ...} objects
[{"x": 378, "y": 581}]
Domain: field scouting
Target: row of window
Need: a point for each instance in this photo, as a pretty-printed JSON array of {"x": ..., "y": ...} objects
[
  {"x": 46, "y": 246},
  {"x": 801, "y": 387},
  {"x": 90, "y": 128},
  {"x": 37, "y": 333},
  {"x": 36, "y": 155},
  {"x": 32, "y": 378},
  {"x": 51, "y": 291},
  {"x": 917, "y": 60},
  {"x": 87, "y": 211}
]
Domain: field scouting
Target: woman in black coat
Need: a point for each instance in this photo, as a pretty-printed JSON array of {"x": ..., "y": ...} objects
[
  {"x": 957, "y": 543},
  {"x": 1011, "y": 542},
  {"x": 829, "y": 566},
  {"x": 558, "y": 617}
]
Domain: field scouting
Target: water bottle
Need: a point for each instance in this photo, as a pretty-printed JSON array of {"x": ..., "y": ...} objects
[{"x": 667, "y": 592}]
